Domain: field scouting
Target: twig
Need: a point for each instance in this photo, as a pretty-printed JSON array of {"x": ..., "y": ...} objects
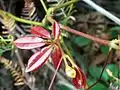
[
  {"x": 3, "y": 14},
  {"x": 103, "y": 11},
  {"x": 95, "y": 39},
  {"x": 58, "y": 66}
]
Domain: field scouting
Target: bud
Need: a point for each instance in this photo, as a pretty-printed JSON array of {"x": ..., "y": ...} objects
[{"x": 70, "y": 72}]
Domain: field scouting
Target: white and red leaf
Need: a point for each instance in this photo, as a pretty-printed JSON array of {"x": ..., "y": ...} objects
[
  {"x": 56, "y": 30},
  {"x": 38, "y": 59},
  {"x": 56, "y": 56},
  {"x": 29, "y": 42},
  {"x": 80, "y": 80},
  {"x": 41, "y": 32}
]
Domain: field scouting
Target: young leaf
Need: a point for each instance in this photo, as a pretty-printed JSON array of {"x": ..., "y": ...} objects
[
  {"x": 81, "y": 41},
  {"x": 41, "y": 32},
  {"x": 56, "y": 56},
  {"x": 38, "y": 59},
  {"x": 56, "y": 30},
  {"x": 80, "y": 80},
  {"x": 29, "y": 42}
]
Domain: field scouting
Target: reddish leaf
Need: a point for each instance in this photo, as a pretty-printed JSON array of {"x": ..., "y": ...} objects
[
  {"x": 56, "y": 30},
  {"x": 38, "y": 59},
  {"x": 56, "y": 56},
  {"x": 41, "y": 32},
  {"x": 29, "y": 42},
  {"x": 80, "y": 80}
]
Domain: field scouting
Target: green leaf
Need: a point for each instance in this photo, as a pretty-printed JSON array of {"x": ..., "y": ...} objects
[
  {"x": 115, "y": 28},
  {"x": 114, "y": 34},
  {"x": 96, "y": 71},
  {"x": 98, "y": 86},
  {"x": 113, "y": 69},
  {"x": 114, "y": 31},
  {"x": 81, "y": 41},
  {"x": 104, "y": 49}
]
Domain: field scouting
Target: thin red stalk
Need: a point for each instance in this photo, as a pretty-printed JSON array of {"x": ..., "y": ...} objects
[
  {"x": 95, "y": 39},
  {"x": 107, "y": 59},
  {"x": 51, "y": 83}
]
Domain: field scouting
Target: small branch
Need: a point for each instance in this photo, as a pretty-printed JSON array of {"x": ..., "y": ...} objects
[
  {"x": 95, "y": 39},
  {"x": 3, "y": 14},
  {"x": 103, "y": 11},
  {"x": 58, "y": 66}
]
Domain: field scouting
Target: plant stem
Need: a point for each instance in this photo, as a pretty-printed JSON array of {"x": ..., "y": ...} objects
[
  {"x": 3, "y": 14},
  {"x": 95, "y": 39},
  {"x": 44, "y": 6},
  {"x": 58, "y": 66}
]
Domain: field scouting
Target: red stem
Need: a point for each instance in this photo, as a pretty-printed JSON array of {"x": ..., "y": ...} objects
[
  {"x": 51, "y": 83},
  {"x": 95, "y": 39}
]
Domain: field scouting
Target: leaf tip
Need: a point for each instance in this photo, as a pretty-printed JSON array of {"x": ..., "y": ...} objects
[{"x": 56, "y": 30}]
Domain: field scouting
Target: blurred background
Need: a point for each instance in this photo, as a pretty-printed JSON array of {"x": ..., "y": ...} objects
[{"x": 88, "y": 55}]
